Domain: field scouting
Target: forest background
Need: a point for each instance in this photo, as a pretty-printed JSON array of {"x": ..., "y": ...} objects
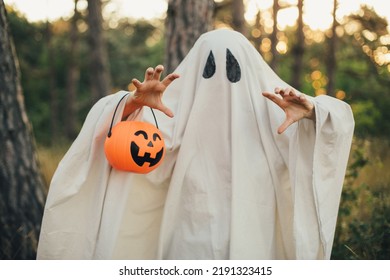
[{"x": 67, "y": 64}]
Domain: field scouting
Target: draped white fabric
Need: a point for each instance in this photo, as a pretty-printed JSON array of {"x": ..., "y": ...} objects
[{"x": 230, "y": 187}]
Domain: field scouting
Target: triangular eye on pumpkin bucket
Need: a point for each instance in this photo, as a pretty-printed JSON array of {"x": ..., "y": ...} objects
[{"x": 134, "y": 146}]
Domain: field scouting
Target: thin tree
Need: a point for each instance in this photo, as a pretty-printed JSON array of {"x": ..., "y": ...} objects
[
  {"x": 258, "y": 26},
  {"x": 99, "y": 67},
  {"x": 331, "y": 63},
  {"x": 238, "y": 18},
  {"x": 273, "y": 36},
  {"x": 298, "y": 49},
  {"x": 51, "y": 76},
  {"x": 73, "y": 77},
  {"x": 21, "y": 186},
  {"x": 186, "y": 21}
]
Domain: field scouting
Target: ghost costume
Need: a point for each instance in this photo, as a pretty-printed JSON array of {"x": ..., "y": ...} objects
[{"x": 230, "y": 186}]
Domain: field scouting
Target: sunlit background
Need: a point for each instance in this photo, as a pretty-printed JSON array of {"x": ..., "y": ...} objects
[
  {"x": 317, "y": 16},
  {"x": 317, "y": 13},
  {"x": 135, "y": 35}
]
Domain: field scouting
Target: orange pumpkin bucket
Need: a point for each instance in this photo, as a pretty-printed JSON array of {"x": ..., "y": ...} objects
[{"x": 134, "y": 146}]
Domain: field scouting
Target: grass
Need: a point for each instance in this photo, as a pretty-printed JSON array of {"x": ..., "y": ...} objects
[
  {"x": 49, "y": 158},
  {"x": 376, "y": 171},
  {"x": 363, "y": 227}
]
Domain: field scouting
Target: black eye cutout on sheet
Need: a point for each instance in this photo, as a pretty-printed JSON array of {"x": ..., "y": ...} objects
[
  {"x": 209, "y": 68},
  {"x": 233, "y": 69}
]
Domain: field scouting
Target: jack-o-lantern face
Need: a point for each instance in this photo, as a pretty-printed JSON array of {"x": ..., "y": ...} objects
[
  {"x": 135, "y": 146},
  {"x": 148, "y": 143}
]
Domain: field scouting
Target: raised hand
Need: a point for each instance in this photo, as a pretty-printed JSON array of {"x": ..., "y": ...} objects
[
  {"x": 295, "y": 105},
  {"x": 150, "y": 91}
]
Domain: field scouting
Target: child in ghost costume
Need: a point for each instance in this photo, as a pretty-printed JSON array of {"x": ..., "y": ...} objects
[{"x": 250, "y": 172}]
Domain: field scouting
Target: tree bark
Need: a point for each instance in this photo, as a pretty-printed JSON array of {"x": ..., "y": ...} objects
[
  {"x": 238, "y": 18},
  {"x": 298, "y": 49},
  {"x": 73, "y": 78},
  {"x": 186, "y": 21},
  {"x": 99, "y": 67},
  {"x": 21, "y": 186},
  {"x": 273, "y": 37},
  {"x": 260, "y": 28},
  {"x": 53, "y": 93},
  {"x": 331, "y": 63}
]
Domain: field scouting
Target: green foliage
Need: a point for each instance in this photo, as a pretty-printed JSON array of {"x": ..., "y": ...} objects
[
  {"x": 135, "y": 45},
  {"x": 366, "y": 116},
  {"x": 363, "y": 227},
  {"x": 132, "y": 47}
]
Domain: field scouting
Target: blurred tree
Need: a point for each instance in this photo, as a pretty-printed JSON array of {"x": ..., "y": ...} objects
[
  {"x": 128, "y": 57},
  {"x": 257, "y": 31},
  {"x": 21, "y": 184},
  {"x": 52, "y": 85},
  {"x": 274, "y": 39},
  {"x": 231, "y": 13},
  {"x": 331, "y": 53},
  {"x": 371, "y": 34},
  {"x": 99, "y": 68},
  {"x": 186, "y": 21},
  {"x": 363, "y": 72},
  {"x": 238, "y": 19},
  {"x": 298, "y": 49},
  {"x": 223, "y": 13},
  {"x": 72, "y": 77},
  {"x": 361, "y": 77},
  {"x": 32, "y": 56}
]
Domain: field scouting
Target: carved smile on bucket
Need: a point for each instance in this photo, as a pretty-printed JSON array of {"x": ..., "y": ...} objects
[{"x": 141, "y": 159}]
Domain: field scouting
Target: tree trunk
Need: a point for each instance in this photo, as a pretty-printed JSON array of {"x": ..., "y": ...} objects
[
  {"x": 331, "y": 63},
  {"x": 99, "y": 69},
  {"x": 186, "y": 21},
  {"x": 257, "y": 38},
  {"x": 73, "y": 78},
  {"x": 51, "y": 76},
  {"x": 238, "y": 19},
  {"x": 273, "y": 37},
  {"x": 298, "y": 49},
  {"x": 21, "y": 186}
]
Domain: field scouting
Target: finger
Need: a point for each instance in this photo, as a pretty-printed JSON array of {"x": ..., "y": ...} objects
[
  {"x": 278, "y": 91},
  {"x": 291, "y": 92},
  {"x": 149, "y": 74},
  {"x": 165, "y": 110},
  {"x": 306, "y": 102},
  {"x": 169, "y": 79},
  {"x": 297, "y": 94},
  {"x": 157, "y": 72},
  {"x": 273, "y": 97},
  {"x": 285, "y": 125},
  {"x": 136, "y": 83},
  {"x": 303, "y": 99},
  {"x": 288, "y": 92}
]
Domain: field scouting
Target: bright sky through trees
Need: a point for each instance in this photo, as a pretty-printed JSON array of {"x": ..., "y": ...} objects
[{"x": 317, "y": 13}]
